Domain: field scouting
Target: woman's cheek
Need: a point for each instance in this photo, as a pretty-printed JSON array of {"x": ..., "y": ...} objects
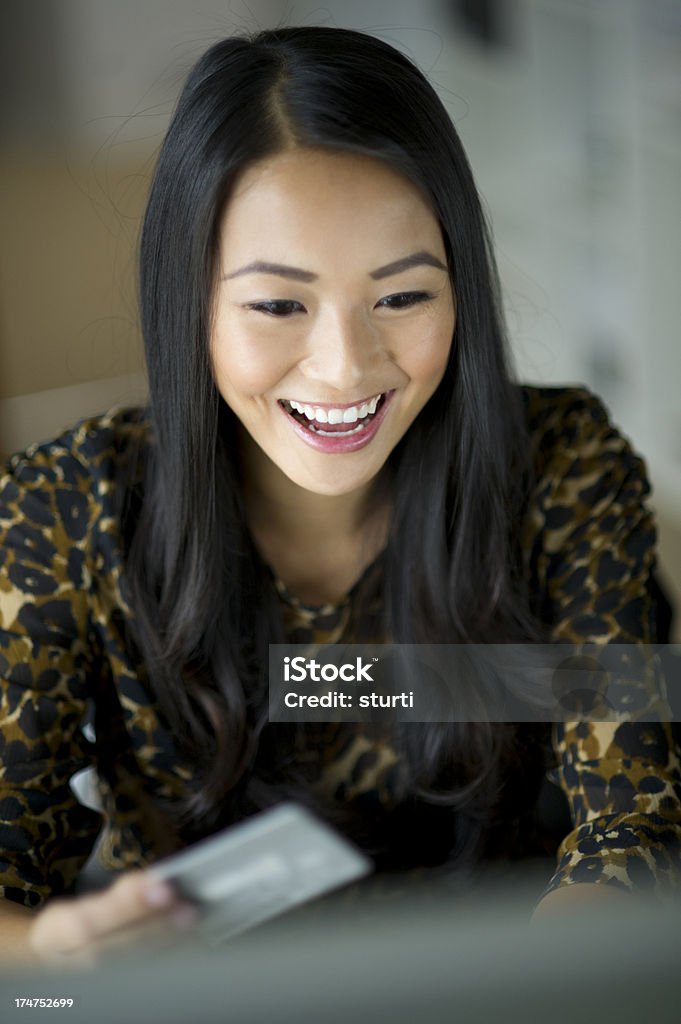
[
  {"x": 424, "y": 352},
  {"x": 248, "y": 365}
]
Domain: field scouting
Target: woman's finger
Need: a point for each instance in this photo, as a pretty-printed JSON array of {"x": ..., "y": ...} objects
[{"x": 73, "y": 925}]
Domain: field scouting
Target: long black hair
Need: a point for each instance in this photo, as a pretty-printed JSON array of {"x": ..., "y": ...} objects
[{"x": 205, "y": 606}]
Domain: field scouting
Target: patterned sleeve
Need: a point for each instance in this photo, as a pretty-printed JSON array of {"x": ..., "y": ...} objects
[
  {"x": 46, "y": 515},
  {"x": 594, "y": 550}
]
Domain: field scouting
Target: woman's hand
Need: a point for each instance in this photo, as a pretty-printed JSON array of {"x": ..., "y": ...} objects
[
  {"x": 134, "y": 908},
  {"x": 590, "y": 899}
]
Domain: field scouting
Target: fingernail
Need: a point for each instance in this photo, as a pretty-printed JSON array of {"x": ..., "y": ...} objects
[
  {"x": 184, "y": 917},
  {"x": 158, "y": 894}
]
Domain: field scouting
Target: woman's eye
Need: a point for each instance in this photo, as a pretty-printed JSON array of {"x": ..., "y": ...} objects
[
  {"x": 402, "y": 300},
  {"x": 277, "y": 307}
]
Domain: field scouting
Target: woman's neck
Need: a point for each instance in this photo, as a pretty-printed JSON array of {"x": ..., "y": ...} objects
[{"x": 317, "y": 544}]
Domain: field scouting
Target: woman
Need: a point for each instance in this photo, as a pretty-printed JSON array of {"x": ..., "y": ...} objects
[{"x": 334, "y": 450}]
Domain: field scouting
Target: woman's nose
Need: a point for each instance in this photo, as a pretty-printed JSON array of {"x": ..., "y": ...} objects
[{"x": 343, "y": 350}]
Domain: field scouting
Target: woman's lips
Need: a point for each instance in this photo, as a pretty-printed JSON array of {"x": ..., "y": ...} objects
[{"x": 339, "y": 438}]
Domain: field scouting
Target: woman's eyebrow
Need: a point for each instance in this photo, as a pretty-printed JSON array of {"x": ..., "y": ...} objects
[
  {"x": 416, "y": 259},
  {"x": 280, "y": 269}
]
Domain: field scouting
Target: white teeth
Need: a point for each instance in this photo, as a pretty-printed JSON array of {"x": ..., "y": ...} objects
[
  {"x": 350, "y": 415},
  {"x": 338, "y": 433}
]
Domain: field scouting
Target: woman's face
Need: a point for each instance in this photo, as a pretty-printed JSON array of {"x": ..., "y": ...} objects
[{"x": 333, "y": 315}]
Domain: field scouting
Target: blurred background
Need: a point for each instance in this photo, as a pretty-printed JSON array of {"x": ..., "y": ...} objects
[{"x": 570, "y": 111}]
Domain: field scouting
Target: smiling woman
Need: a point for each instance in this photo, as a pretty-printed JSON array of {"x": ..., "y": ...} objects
[
  {"x": 334, "y": 452},
  {"x": 339, "y": 358}
]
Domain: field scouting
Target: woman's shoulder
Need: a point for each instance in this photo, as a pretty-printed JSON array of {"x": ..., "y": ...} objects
[
  {"x": 589, "y": 534},
  {"x": 572, "y": 436},
  {"x": 563, "y": 414},
  {"x": 92, "y": 450},
  {"x": 57, "y": 494}
]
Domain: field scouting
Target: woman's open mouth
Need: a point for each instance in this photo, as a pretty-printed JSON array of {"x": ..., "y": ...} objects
[{"x": 337, "y": 429}]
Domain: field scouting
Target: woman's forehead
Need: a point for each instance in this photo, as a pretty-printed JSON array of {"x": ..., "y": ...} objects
[{"x": 312, "y": 200}]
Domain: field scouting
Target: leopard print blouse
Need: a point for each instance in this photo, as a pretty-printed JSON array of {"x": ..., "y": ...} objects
[{"x": 589, "y": 550}]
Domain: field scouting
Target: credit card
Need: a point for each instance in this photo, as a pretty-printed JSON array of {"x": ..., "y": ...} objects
[{"x": 261, "y": 867}]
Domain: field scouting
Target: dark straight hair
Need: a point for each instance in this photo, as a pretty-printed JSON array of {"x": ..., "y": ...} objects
[{"x": 205, "y": 606}]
